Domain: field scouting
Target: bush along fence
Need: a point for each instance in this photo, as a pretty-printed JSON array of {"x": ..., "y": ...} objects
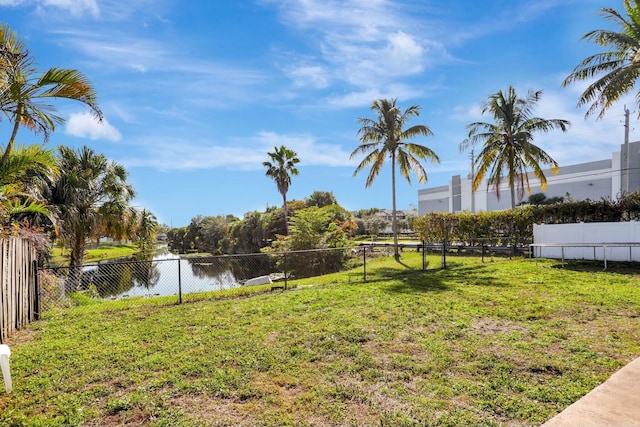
[
  {"x": 174, "y": 280},
  {"x": 515, "y": 227},
  {"x": 502, "y": 229},
  {"x": 18, "y": 296}
]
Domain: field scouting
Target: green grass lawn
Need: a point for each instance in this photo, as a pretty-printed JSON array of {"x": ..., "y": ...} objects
[
  {"x": 504, "y": 343},
  {"x": 60, "y": 256}
]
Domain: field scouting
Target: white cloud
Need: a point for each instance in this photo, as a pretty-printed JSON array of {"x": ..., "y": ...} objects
[
  {"x": 85, "y": 125},
  {"x": 469, "y": 113},
  {"x": 11, "y": 2},
  {"x": 241, "y": 154},
  {"x": 404, "y": 53},
  {"x": 365, "y": 97},
  {"x": 309, "y": 150},
  {"x": 352, "y": 36},
  {"x": 315, "y": 76},
  {"x": 77, "y": 8},
  {"x": 109, "y": 10},
  {"x": 138, "y": 67}
]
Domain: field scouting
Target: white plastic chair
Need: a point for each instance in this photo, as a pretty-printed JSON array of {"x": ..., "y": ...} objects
[{"x": 5, "y": 352}]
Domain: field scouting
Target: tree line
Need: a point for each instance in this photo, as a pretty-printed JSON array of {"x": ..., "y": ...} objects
[{"x": 318, "y": 221}]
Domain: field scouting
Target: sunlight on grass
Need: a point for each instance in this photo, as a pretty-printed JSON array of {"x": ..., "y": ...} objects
[{"x": 497, "y": 343}]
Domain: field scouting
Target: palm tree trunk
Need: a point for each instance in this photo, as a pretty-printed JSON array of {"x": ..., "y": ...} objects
[
  {"x": 286, "y": 219},
  {"x": 14, "y": 133},
  {"x": 394, "y": 227},
  {"x": 513, "y": 221},
  {"x": 76, "y": 258}
]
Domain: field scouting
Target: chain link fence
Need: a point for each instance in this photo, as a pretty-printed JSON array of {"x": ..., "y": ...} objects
[{"x": 173, "y": 279}]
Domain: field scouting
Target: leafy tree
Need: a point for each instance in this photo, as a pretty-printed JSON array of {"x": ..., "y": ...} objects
[
  {"x": 618, "y": 67},
  {"x": 25, "y": 95},
  {"x": 315, "y": 228},
  {"x": 321, "y": 199},
  {"x": 375, "y": 225},
  {"x": 193, "y": 233},
  {"x": 86, "y": 182},
  {"x": 360, "y": 224},
  {"x": 542, "y": 199},
  {"x": 507, "y": 143},
  {"x": 363, "y": 213},
  {"x": 385, "y": 137},
  {"x": 215, "y": 234},
  {"x": 176, "y": 239},
  {"x": 281, "y": 167},
  {"x": 250, "y": 233},
  {"x": 308, "y": 227}
]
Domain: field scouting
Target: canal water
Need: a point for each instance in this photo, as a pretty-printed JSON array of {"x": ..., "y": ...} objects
[{"x": 163, "y": 274}]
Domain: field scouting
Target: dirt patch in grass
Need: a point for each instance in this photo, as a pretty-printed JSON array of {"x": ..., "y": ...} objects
[{"x": 492, "y": 326}]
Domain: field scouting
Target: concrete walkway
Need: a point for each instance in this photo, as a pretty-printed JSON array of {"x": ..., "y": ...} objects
[{"x": 616, "y": 402}]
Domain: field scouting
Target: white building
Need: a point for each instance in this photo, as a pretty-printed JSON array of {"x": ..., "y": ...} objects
[{"x": 592, "y": 180}]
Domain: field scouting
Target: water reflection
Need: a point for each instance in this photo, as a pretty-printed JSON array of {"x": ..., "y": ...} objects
[{"x": 161, "y": 274}]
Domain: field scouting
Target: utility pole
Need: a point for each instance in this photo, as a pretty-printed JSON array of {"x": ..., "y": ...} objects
[
  {"x": 626, "y": 150},
  {"x": 473, "y": 178}
]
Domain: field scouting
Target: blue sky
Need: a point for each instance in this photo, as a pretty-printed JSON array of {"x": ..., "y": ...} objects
[{"x": 195, "y": 93}]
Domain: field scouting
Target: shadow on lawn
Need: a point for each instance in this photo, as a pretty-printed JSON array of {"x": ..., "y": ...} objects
[
  {"x": 438, "y": 279},
  {"x": 618, "y": 267}
]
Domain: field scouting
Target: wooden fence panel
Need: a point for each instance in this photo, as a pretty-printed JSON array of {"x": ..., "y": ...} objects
[{"x": 17, "y": 285}]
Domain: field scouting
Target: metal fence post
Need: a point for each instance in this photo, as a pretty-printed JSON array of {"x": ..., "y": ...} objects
[
  {"x": 179, "y": 282},
  {"x": 285, "y": 270},
  {"x": 424, "y": 255},
  {"x": 444, "y": 254},
  {"x": 364, "y": 259}
]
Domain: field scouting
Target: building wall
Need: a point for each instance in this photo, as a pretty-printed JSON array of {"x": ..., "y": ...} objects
[
  {"x": 591, "y": 180},
  {"x": 434, "y": 199}
]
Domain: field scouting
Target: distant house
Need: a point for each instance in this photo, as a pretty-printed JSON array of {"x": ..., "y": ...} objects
[
  {"x": 401, "y": 215},
  {"x": 387, "y": 214},
  {"x": 592, "y": 180}
]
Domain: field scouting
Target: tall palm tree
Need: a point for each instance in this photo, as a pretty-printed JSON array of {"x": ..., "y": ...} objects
[
  {"x": 385, "y": 137},
  {"x": 508, "y": 147},
  {"x": 25, "y": 95},
  {"x": 618, "y": 66},
  {"x": 280, "y": 168},
  {"x": 87, "y": 182}
]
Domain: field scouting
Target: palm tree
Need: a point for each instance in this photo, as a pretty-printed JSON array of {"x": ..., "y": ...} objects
[
  {"x": 147, "y": 228},
  {"x": 619, "y": 65},
  {"x": 386, "y": 137},
  {"x": 280, "y": 168},
  {"x": 25, "y": 96},
  {"x": 87, "y": 182},
  {"x": 508, "y": 146},
  {"x": 22, "y": 178}
]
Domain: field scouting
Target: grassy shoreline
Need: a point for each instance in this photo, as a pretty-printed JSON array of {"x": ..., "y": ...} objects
[
  {"x": 500, "y": 343},
  {"x": 60, "y": 256}
]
